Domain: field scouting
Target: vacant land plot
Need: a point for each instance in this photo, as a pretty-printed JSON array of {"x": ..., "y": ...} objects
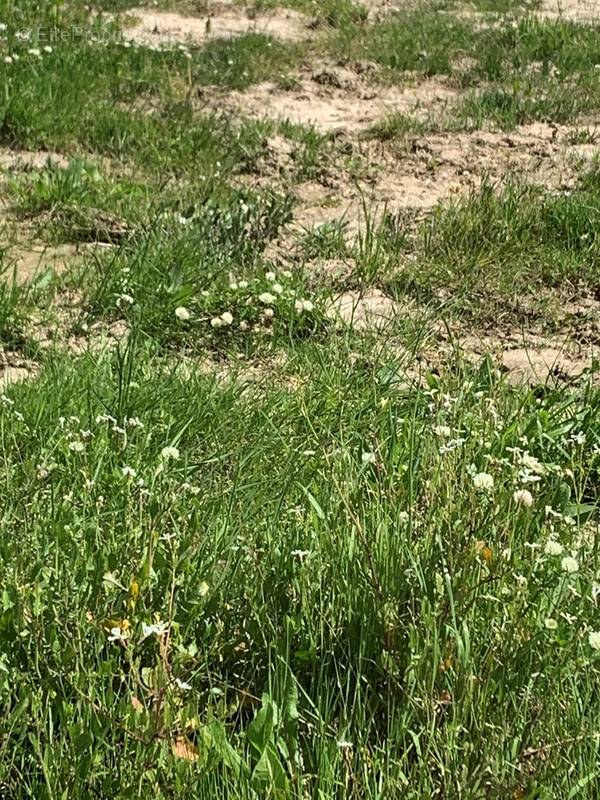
[{"x": 299, "y": 415}]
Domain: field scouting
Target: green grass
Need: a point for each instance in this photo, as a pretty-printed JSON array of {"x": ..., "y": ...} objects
[
  {"x": 270, "y": 511},
  {"x": 522, "y": 70},
  {"x": 246, "y": 551},
  {"x": 501, "y": 244}
]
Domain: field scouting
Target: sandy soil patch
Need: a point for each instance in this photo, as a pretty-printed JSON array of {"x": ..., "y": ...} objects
[
  {"x": 224, "y": 20},
  {"x": 13, "y": 368},
  {"x": 32, "y": 262},
  {"x": 587, "y": 11},
  {"x": 29, "y": 159},
  {"x": 433, "y": 168},
  {"x": 539, "y": 365},
  {"x": 340, "y": 99},
  {"x": 367, "y": 310},
  {"x": 530, "y": 359}
]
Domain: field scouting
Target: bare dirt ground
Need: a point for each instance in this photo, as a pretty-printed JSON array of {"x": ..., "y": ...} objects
[
  {"x": 424, "y": 170},
  {"x": 164, "y": 28},
  {"x": 341, "y": 99},
  {"x": 575, "y": 10}
]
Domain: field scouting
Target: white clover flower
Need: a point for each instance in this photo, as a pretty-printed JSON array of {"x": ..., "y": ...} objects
[
  {"x": 483, "y": 480},
  {"x": 570, "y": 565},
  {"x": 34, "y": 51},
  {"x": 550, "y": 623},
  {"x": 277, "y": 288},
  {"x": 2, "y": 27},
  {"x": 594, "y": 640},
  {"x": 531, "y": 463},
  {"x": 125, "y": 298},
  {"x": 234, "y": 286},
  {"x": 523, "y": 497},
  {"x": 47, "y": 49},
  {"x": 266, "y": 298},
  {"x": 8, "y": 59},
  {"x": 368, "y": 458},
  {"x": 128, "y": 472},
  {"x": 227, "y": 318},
  {"x": 303, "y": 305},
  {"x": 216, "y": 322},
  {"x": 242, "y": 284},
  {"x": 270, "y": 276},
  {"x": 182, "y": 313},
  {"x": 244, "y": 325},
  {"x": 553, "y": 548},
  {"x": 169, "y": 453},
  {"x": 268, "y": 313},
  {"x": 77, "y": 446}
]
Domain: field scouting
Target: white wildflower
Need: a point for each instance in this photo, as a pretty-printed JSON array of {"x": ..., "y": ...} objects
[
  {"x": 266, "y": 298},
  {"x": 157, "y": 629},
  {"x": 594, "y": 640},
  {"x": 227, "y": 318},
  {"x": 523, "y": 497},
  {"x": 484, "y": 481},
  {"x": 451, "y": 445},
  {"x": 300, "y": 553},
  {"x": 270, "y": 276},
  {"x": 553, "y": 548},
  {"x": 169, "y": 453},
  {"x": 442, "y": 430},
  {"x": 368, "y": 458},
  {"x": 182, "y": 313},
  {"x": 128, "y": 472},
  {"x": 303, "y": 305},
  {"x": 77, "y": 446},
  {"x": 118, "y": 634},
  {"x": 570, "y": 564},
  {"x": 216, "y": 322},
  {"x": 550, "y": 623},
  {"x": 185, "y": 687}
]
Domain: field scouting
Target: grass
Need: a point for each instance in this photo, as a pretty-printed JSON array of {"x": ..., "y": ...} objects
[
  {"x": 247, "y": 551},
  {"x": 500, "y": 244},
  {"x": 408, "y": 600}
]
